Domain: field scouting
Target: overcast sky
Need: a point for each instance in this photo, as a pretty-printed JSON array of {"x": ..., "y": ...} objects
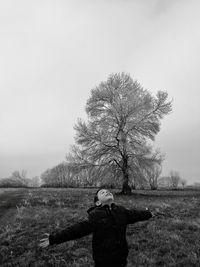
[{"x": 52, "y": 53}]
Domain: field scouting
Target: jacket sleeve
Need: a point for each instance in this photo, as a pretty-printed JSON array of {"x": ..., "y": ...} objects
[
  {"x": 134, "y": 215},
  {"x": 75, "y": 231}
]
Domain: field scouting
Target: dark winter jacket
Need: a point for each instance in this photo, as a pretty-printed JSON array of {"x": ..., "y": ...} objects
[{"x": 108, "y": 226}]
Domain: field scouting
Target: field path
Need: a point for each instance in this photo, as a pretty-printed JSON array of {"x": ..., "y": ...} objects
[{"x": 9, "y": 199}]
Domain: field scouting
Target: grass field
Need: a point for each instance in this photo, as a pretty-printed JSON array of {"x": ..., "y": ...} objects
[{"x": 169, "y": 240}]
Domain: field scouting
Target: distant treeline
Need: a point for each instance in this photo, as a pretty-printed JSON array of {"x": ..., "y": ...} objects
[
  {"x": 63, "y": 175},
  {"x": 19, "y": 179}
]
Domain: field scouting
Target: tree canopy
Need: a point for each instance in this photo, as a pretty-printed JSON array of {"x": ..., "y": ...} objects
[{"x": 122, "y": 117}]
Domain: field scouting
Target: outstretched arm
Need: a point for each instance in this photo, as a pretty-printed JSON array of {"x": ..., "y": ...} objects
[
  {"x": 135, "y": 215},
  {"x": 75, "y": 231}
]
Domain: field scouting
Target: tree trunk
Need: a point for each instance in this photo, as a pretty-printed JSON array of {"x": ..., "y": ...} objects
[
  {"x": 153, "y": 187},
  {"x": 133, "y": 187},
  {"x": 126, "y": 189}
]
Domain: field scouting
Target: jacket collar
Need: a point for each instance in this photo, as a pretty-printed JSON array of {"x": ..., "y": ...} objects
[{"x": 113, "y": 206}]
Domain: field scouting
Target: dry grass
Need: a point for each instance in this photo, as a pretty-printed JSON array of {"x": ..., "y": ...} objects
[{"x": 169, "y": 240}]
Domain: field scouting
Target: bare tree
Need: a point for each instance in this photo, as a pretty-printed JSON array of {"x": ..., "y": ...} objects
[
  {"x": 164, "y": 181},
  {"x": 183, "y": 183},
  {"x": 122, "y": 117},
  {"x": 152, "y": 174},
  {"x": 61, "y": 175},
  {"x": 34, "y": 182},
  {"x": 20, "y": 177},
  {"x": 17, "y": 179},
  {"x": 175, "y": 179}
]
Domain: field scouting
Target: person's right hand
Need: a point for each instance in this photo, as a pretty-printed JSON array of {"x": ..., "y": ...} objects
[
  {"x": 44, "y": 242},
  {"x": 157, "y": 212}
]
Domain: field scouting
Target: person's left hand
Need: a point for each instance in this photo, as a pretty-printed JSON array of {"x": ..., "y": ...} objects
[
  {"x": 157, "y": 212},
  {"x": 44, "y": 242}
]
